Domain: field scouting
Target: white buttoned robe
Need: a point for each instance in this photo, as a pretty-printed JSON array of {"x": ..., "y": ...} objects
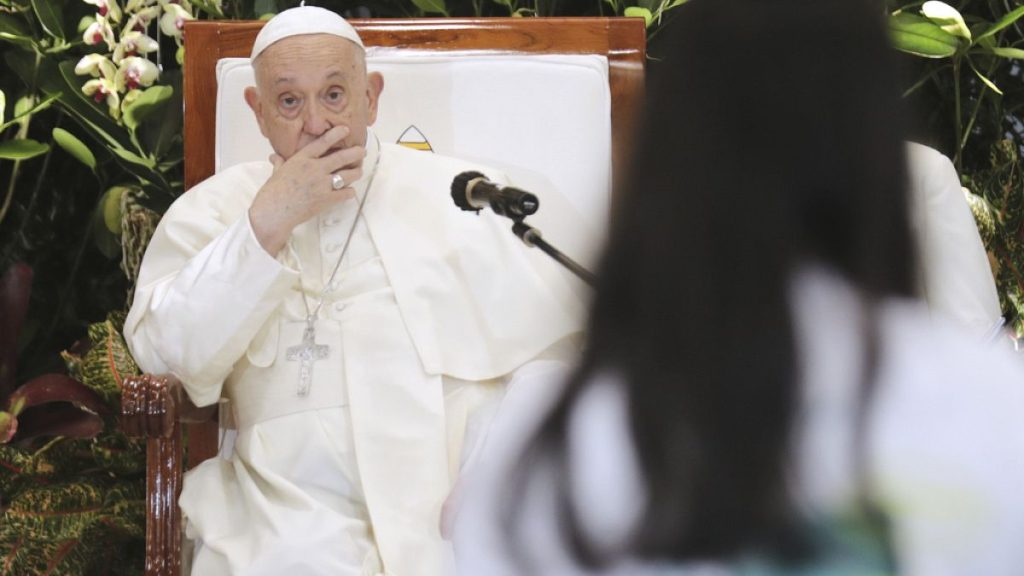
[{"x": 432, "y": 311}]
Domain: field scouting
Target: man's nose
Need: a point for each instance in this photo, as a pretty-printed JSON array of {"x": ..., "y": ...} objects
[{"x": 315, "y": 120}]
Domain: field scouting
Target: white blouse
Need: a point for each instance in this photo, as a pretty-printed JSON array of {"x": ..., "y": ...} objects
[{"x": 945, "y": 444}]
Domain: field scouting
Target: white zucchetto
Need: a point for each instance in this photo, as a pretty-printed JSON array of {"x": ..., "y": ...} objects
[{"x": 303, "y": 20}]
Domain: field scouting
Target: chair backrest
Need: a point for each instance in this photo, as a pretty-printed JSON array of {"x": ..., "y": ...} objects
[
  {"x": 549, "y": 100},
  {"x": 543, "y": 119}
]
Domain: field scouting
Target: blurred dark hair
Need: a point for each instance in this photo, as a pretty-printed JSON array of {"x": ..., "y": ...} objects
[{"x": 772, "y": 140}]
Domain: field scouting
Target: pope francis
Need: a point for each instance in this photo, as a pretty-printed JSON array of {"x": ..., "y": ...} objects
[{"x": 359, "y": 325}]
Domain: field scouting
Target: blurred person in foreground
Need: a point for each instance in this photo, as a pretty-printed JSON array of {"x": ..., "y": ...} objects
[{"x": 759, "y": 393}]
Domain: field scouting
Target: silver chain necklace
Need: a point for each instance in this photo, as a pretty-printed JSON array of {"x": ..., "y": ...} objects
[{"x": 308, "y": 351}]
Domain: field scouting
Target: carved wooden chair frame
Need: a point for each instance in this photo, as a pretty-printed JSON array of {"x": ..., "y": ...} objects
[{"x": 155, "y": 407}]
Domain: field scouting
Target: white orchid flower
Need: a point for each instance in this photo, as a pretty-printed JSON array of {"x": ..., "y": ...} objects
[
  {"x": 133, "y": 43},
  {"x": 130, "y": 97},
  {"x": 103, "y": 89},
  {"x": 139, "y": 21},
  {"x": 134, "y": 72},
  {"x": 99, "y": 31},
  {"x": 173, "y": 20},
  {"x": 109, "y": 9},
  {"x": 96, "y": 65},
  {"x": 947, "y": 17}
]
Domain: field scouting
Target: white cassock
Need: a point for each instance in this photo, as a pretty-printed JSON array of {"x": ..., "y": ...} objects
[
  {"x": 430, "y": 313},
  {"x": 954, "y": 273}
]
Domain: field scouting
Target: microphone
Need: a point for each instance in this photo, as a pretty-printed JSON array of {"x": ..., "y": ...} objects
[{"x": 472, "y": 191}]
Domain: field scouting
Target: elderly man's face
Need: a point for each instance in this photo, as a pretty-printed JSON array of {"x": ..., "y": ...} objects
[{"x": 307, "y": 84}]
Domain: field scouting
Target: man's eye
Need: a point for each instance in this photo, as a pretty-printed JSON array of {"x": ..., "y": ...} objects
[
  {"x": 289, "y": 101},
  {"x": 335, "y": 96}
]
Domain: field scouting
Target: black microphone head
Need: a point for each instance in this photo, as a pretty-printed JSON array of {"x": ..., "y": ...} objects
[
  {"x": 459, "y": 185},
  {"x": 524, "y": 203}
]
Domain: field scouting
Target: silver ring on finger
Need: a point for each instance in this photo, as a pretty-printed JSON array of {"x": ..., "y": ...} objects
[{"x": 337, "y": 182}]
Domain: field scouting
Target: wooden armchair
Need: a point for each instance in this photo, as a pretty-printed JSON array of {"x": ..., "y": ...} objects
[{"x": 155, "y": 407}]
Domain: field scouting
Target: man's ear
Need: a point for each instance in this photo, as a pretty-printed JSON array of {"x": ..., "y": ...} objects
[
  {"x": 252, "y": 98},
  {"x": 374, "y": 86}
]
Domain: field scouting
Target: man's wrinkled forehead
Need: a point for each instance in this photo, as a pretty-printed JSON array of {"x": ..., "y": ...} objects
[{"x": 298, "y": 55}]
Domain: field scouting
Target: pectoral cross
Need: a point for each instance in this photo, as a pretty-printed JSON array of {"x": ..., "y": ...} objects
[{"x": 307, "y": 353}]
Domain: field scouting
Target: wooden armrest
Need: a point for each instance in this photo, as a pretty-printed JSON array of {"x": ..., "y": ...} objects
[
  {"x": 153, "y": 407},
  {"x": 151, "y": 404}
]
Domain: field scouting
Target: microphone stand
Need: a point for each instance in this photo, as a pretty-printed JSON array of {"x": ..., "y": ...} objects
[{"x": 532, "y": 237}]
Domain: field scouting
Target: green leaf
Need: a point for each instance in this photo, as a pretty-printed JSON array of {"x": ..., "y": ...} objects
[
  {"x": 22, "y": 63},
  {"x": 108, "y": 362},
  {"x": 922, "y": 37},
  {"x": 50, "y": 16},
  {"x": 106, "y": 241},
  {"x": 158, "y": 134},
  {"x": 143, "y": 107},
  {"x": 210, "y": 8},
  {"x": 13, "y": 30},
  {"x": 1008, "y": 52},
  {"x": 75, "y": 147},
  {"x": 110, "y": 205},
  {"x": 986, "y": 43},
  {"x": 22, "y": 149},
  {"x": 24, "y": 107},
  {"x": 639, "y": 12},
  {"x": 132, "y": 157},
  {"x": 37, "y": 512},
  {"x": 985, "y": 80},
  {"x": 42, "y": 105},
  {"x": 1003, "y": 22},
  {"x": 144, "y": 171},
  {"x": 984, "y": 215},
  {"x": 3, "y": 105},
  {"x": 431, "y": 6},
  {"x": 86, "y": 524},
  {"x": 9, "y": 25}
]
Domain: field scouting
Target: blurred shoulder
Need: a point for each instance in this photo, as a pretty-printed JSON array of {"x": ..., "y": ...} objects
[
  {"x": 915, "y": 346},
  {"x": 922, "y": 350}
]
